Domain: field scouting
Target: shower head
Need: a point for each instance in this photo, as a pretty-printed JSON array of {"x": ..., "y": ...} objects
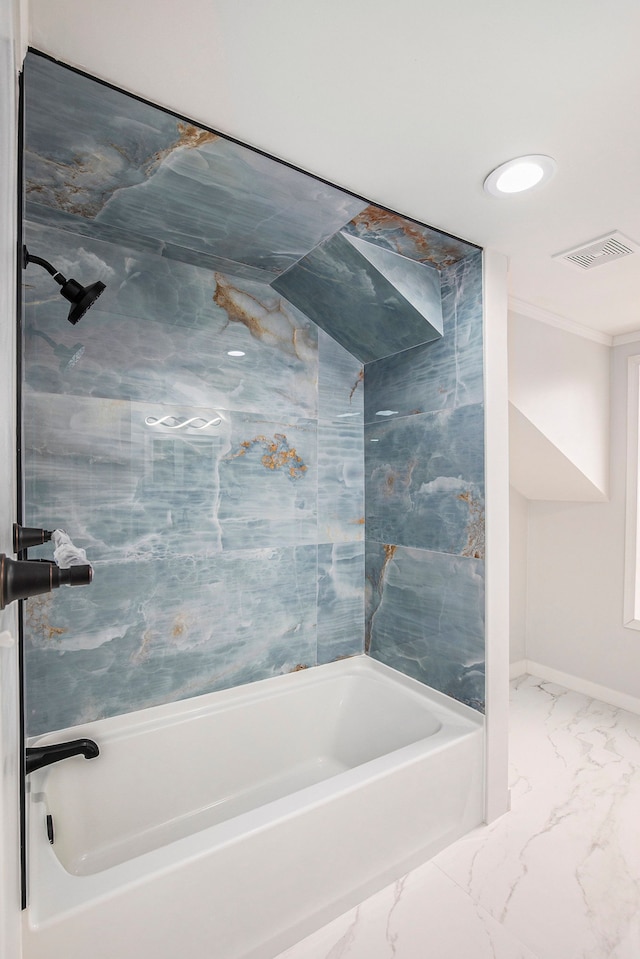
[{"x": 80, "y": 297}]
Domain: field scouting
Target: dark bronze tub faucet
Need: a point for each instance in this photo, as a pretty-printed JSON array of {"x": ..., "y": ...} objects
[{"x": 39, "y": 756}]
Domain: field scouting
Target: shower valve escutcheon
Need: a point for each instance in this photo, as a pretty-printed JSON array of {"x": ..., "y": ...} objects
[
  {"x": 20, "y": 579},
  {"x": 26, "y": 536}
]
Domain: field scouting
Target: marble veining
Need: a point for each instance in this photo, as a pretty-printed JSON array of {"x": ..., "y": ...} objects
[
  {"x": 159, "y": 630},
  {"x": 225, "y": 199},
  {"x": 425, "y": 480},
  {"x": 411, "y": 239},
  {"x": 276, "y": 454},
  {"x": 162, "y": 332},
  {"x": 558, "y": 877},
  {"x": 425, "y": 617},
  {"x": 120, "y": 141},
  {"x": 133, "y": 167},
  {"x": 562, "y": 871}
]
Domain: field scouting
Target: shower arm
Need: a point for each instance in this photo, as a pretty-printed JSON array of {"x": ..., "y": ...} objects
[{"x": 31, "y": 258}]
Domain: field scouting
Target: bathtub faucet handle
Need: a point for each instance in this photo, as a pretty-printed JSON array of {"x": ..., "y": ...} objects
[{"x": 39, "y": 756}]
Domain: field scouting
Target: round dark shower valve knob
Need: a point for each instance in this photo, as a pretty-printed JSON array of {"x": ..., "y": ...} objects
[{"x": 26, "y": 536}]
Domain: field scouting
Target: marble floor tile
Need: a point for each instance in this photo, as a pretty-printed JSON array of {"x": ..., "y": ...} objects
[
  {"x": 562, "y": 870},
  {"x": 423, "y": 915},
  {"x": 558, "y": 877}
]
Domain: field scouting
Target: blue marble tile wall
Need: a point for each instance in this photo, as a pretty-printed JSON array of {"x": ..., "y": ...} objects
[
  {"x": 226, "y": 549},
  {"x": 424, "y": 468},
  {"x": 221, "y": 498}
]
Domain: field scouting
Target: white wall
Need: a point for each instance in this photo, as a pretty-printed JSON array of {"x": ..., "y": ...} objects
[
  {"x": 497, "y": 555},
  {"x": 11, "y": 53},
  {"x": 567, "y": 557},
  {"x": 518, "y": 546},
  {"x": 559, "y": 391},
  {"x": 576, "y": 573}
]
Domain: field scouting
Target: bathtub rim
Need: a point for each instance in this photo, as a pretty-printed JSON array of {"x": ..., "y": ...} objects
[{"x": 217, "y": 701}]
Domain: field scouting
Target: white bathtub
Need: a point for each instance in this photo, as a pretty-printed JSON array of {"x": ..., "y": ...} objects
[{"x": 234, "y": 824}]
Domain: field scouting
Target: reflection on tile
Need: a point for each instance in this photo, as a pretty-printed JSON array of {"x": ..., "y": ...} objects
[
  {"x": 373, "y": 305},
  {"x": 156, "y": 631},
  {"x": 425, "y": 481},
  {"x": 340, "y": 600},
  {"x": 425, "y": 617},
  {"x": 446, "y": 373}
]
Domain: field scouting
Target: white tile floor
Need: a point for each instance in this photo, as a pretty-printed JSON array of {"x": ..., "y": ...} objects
[{"x": 556, "y": 878}]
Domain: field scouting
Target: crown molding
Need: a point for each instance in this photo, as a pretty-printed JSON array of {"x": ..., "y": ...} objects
[
  {"x": 560, "y": 322},
  {"x": 624, "y": 338}
]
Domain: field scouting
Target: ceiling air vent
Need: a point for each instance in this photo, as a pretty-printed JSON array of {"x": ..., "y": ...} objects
[{"x": 605, "y": 249}]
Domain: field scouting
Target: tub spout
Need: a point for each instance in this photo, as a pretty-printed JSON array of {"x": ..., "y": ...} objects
[{"x": 39, "y": 756}]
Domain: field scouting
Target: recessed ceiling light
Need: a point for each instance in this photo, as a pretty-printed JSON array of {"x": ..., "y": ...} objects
[
  {"x": 520, "y": 174},
  {"x": 235, "y": 353}
]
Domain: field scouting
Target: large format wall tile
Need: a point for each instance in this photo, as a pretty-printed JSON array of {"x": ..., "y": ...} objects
[
  {"x": 156, "y": 631},
  {"x": 425, "y": 481},
  {"x": 425, "y": 617},
  {"x": 424, "y": 484},
  {"x": 131, "y": 485},
  {"x": 268, "y": 483}
]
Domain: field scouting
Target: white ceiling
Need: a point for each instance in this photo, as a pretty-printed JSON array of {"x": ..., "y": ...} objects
[{"x": 410, "y": 104}]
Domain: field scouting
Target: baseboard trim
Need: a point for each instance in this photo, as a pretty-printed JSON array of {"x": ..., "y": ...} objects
[{"x": 594, "y": 690}]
